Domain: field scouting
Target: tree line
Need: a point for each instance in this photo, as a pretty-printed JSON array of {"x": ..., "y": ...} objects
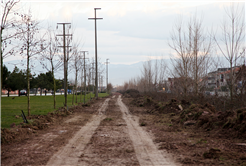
[
  {"x": 16, "y": 80},
  {"x": 22, "y": 34},
  {"x": 194, "y": 56}
]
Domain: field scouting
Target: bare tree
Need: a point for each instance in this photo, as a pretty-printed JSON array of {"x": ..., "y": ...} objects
[
  {"x": 199, "y": 49},
  {"x": 110, "y": 87},
  {"x": 9, "y": 30},
  {"x": 162, "y": 71},
  {"x": 147, "y": 75},
  {"x": 50, "y": 54},
  {"x": 233, "y": 44},
  {"x": 192, "y": 49},
  {"x": 77, "y": 65},
  {"x": 181, "y": 60},
  {"x": 32, "y": 44}
]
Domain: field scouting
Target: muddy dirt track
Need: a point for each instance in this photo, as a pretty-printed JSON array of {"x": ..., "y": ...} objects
[{"x": 105, "y": 133}]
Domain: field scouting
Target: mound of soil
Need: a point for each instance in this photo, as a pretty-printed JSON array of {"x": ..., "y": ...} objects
[
  {"x": 144, "y": 102},
  {"x": 131, "y": 93},
  {"x": 229, "y": 123},
  {"x": 199, "y": 134},
  {"x": 173, "y": 106},
  {"x": 195, "y": 111}
]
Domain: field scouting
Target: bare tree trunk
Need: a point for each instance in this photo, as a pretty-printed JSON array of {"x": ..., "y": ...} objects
[
  {"x": 73, "y": 96},
  {"x": 28, "y": 71},
  {"x": 28, "y": 89},
  {"x": 1, "y": 78},
  {"x": 81, "y": 87},
  {"x": 76, "y": 75},
  {"x": 54, "y": 82}
]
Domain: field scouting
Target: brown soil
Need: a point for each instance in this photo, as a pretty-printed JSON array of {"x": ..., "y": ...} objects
[
  {"x": 34, "y": 144},
  {"x": 142, "y": 131},
  {"x": 146, "y": 151},
  {"x": 110, "y": 144},
  {"x": 195, "y": 135},
  {"x": 102, "y": 133}
]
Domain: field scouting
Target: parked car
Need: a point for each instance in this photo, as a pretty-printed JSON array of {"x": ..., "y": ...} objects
[{"x": 23, "y": 92}]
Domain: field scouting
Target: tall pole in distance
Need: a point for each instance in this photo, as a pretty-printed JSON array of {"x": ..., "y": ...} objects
[
  {"x": 65, "y": 60},
  {"x": 96, "y": 81},
  {"x": 84, "y": 75},
  {"x": 92, "y": 64},
  {"x": 107, "y": 74},
  {"x": 81, "y": 85}
]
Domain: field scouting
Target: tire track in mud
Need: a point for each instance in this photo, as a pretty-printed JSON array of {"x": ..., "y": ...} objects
[
  {"x": 70, "y": 153},
  {"x": 146, "y": 152},
  {"x": 110, "y": 144}
]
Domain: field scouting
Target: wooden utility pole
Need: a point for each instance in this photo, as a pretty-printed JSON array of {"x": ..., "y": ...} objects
[
  {"x": 92, "y": 64},
  {"x": 95, "y": 18},
  {"x": 65, "y": 59},
  {"x": 81, "y": 85}
]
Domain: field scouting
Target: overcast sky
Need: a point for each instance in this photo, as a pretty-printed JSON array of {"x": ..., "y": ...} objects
[{"x": 131, "y": 31}]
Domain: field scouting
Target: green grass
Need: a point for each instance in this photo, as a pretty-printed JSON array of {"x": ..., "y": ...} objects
[{"x": 40, "y": 105}]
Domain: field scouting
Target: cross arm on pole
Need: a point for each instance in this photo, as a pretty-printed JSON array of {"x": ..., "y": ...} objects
[
  {"x": 95, "y": 18},
  {"x": 64, "y": 46},
  {"x": 63, "y": 23},
  {"x": 65, "y": 35}
]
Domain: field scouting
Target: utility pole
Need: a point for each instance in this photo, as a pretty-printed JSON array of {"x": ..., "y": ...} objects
[
  {"x": 89, "y": 82},
  {"x": 92, "y": 64},
  {"x": 65, "y": 59},
  {"x": 84, "y": 75},
  {"x": 81, "y": 85},
  {"x": 95, "y": 18},
  {"x": 107, "y": 73},
  {"x": 101, "y": 83}
]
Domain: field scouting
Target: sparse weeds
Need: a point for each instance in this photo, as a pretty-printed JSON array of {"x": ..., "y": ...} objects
[
  {"x": 108, "y": 119},
  {"x": 200, "y": 141},
  {"x": 142, "y": 124}
]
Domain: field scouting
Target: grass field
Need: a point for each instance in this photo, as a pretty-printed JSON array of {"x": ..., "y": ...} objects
[{"x": 40, "y": 105}]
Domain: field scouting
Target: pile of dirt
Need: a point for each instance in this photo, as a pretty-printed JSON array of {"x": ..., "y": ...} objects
[
  {"x": 173, "y": 106},
  {"x": 131, "y": 93},
  {"x": 145, "y": 102},
  {"x": 195, "y": 111},
  {"x": 200, "y": 134},
  {"x": 230, "y": 123}
]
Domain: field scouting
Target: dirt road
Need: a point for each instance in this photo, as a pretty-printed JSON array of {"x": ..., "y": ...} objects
[
  {"x": 147, "y": 153},
  {"x": 71, "y": 152},
  {"x": 109, "y": 135}
]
